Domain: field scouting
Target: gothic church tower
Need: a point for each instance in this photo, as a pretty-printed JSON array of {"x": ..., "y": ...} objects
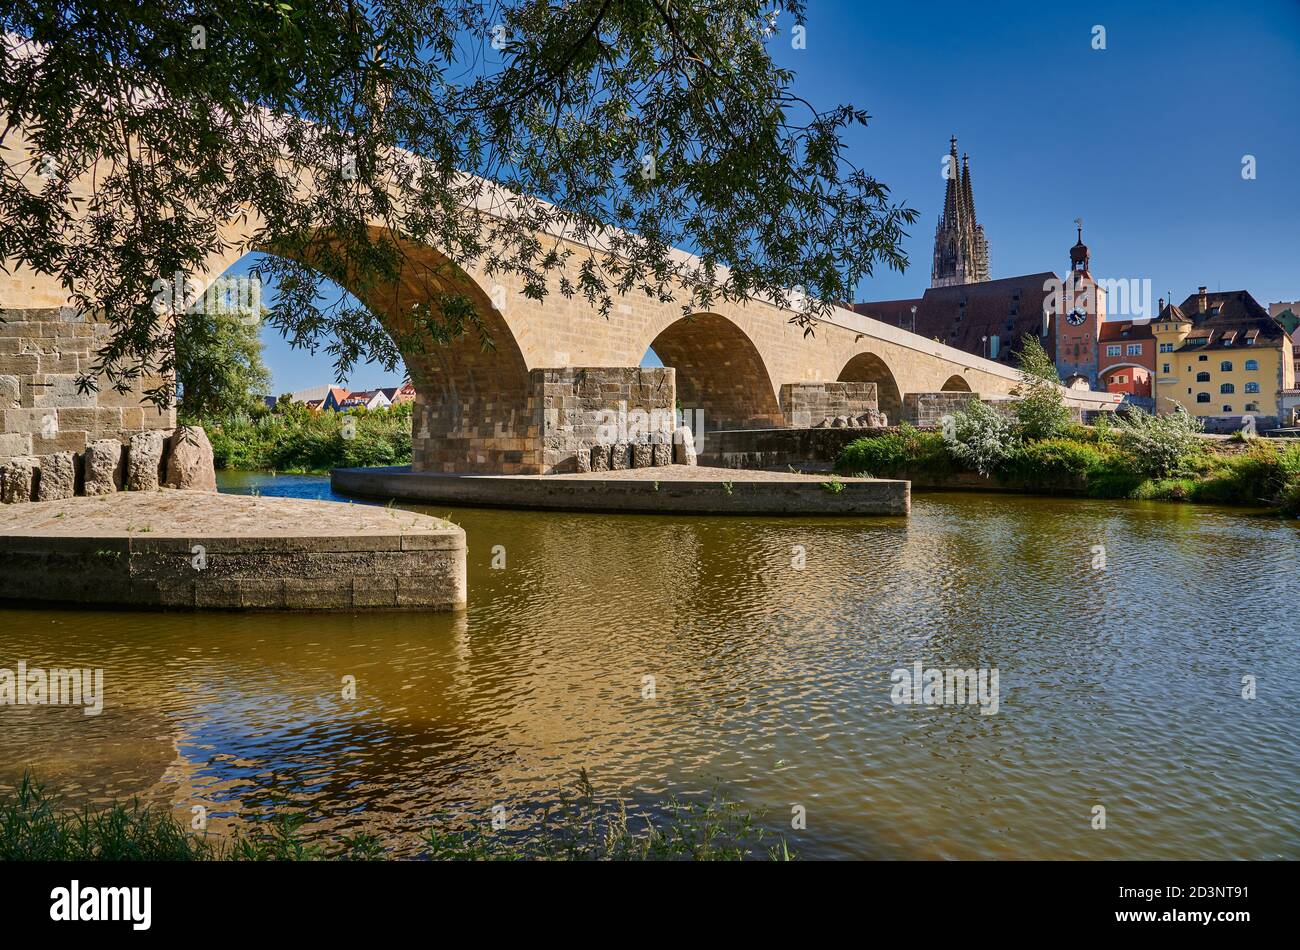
[{"x": 961, "y": 254}]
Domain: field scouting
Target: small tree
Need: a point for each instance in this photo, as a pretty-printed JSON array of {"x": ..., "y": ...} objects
[
  {"x": 1158, "y": 444},
  {"x": 219, "y": 365},
  {"x": 1041, "y": 411},
  {"x": 979, "y": 437}
]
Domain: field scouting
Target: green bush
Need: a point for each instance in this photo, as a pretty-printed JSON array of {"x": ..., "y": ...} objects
[
  {"x": 908, "y": 449},
  {"x": 1114, "y": 477},
  {"x": 1165, "y": 489},
  {"x": 292, "y": 438},
  {"x": 1256, "y": 477},
  {"x": 979, "y": 438},
  {"x": 874, "y": 455},
  {"x": 1050, "y": 463},
  {"x": 1289, "y": 498},
  {"x": 1158, "y": 445}
]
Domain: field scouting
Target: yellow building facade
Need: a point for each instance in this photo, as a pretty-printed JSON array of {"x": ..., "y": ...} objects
[{"x": 1221, "y": 356}]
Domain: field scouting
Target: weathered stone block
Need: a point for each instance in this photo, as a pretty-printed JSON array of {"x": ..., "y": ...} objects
[
  {"x": 66, "y": 440},
  {"x": 600, "y": 458},
  {"x": 189, "y": 463},
  {"x": 58, "y": 477},
  {"x": 683, "y": 446},
  {"x": 15, "y": 443},
  {"x": 102, "y": 463},
  {"x": 583, "y": 460},
  {"x": 22, "y": 420},
  {"x": 145, "y": 463},
  {"x": 20, "y": 364},
  {"x": 9, "y": 390},
  {"x": 18, "y": 478},
  {"x": 642, "y": 455},
  {"x": 61, "y": 391},
  {"x": 620, "y": 456},
  {"x": 662, "y": 454}
]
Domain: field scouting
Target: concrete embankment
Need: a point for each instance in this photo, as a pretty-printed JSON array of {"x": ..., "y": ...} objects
[
  {"x": 674, "y": 489},
  {"x": 188, "y": 550}
]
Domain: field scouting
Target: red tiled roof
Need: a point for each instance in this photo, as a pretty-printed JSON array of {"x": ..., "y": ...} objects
[{"x": 1118, "y": 331}]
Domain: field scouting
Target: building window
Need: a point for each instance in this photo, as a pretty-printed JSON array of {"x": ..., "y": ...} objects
[
  {"x": 1165, "y": 368},
  {"x": 1202, "y": 397},
  {"x": 1252, "y": 365},
  {"x": 1252, "y": 387},
  {"x": 1202, "y": 358},
  {"x": 1112, "y": 350},
  {"x": 1252, "y": 407},
  {"x": 1166, "y": 347},
  {"x": 1202, "y": 377},
  {"x": 1225, "y": 366},
  {"x": 1135, "y": 349},
  {"x": 1227, "y": 409},
  {"x": 1227, "y": 389}
]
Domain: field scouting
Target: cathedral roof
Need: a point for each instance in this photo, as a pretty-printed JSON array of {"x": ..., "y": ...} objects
[{"x": 961, "y": 315}]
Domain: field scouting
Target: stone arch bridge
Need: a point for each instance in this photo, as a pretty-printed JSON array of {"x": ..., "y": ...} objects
[{"x": 526, "y": 405}]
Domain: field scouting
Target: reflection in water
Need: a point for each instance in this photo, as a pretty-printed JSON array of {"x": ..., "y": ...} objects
[{"x": 1119, "y": 687}]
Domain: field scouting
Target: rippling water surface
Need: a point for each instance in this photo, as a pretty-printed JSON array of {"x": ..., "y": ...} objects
[{"x": 1119, "y": 686}]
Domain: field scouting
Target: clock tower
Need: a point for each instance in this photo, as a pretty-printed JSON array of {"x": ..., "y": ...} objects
[{"x": 1080, "y": 314}]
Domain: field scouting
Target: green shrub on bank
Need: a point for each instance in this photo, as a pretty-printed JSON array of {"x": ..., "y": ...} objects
[
  {"x": 894, "y": 452},
  {"x": 1050, "y": 463},
  {"x": 292, "y": 438},
  {"x": 1258, "y": 476},
  {"x": 1116, "y": 477},
  {"x": 1159, "y": 444},
  {"x": 1106, "y": 463},
  {"x": 979, "y": 438}
]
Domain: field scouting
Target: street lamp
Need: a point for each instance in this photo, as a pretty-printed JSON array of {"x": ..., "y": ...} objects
[
  {"x": 913, "y": 318},
  {"x": 985, "y": 341}
]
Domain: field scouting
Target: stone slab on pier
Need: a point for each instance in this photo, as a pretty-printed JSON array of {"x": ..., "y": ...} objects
[
  {"x": 671, "y": 489},
  {"x": 197, "y": 550}
]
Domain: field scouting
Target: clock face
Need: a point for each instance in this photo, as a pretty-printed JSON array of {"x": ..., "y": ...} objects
[{"x": 1076, "y": 318}]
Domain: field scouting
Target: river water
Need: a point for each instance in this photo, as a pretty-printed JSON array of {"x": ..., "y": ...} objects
[{"x": 1120, "y": 632}]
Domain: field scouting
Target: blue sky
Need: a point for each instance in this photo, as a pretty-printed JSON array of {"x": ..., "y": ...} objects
[{"x": 1144, "y": 139}]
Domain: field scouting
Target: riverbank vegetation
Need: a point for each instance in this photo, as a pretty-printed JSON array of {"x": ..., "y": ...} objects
[
  {"x": 294, "y": 439},
  {"x": 35, "y": 826},
  {"x": 1031, "y": 445}
]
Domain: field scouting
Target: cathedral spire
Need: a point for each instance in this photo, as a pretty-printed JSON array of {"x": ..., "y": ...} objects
[
  {"x": 965, "y": 188},
  {"x": 960, "y": 250},
  {"x": 952, "y": 199}
]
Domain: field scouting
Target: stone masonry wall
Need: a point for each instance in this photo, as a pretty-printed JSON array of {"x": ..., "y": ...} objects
[
  {"x": 42, "y": 352},
  {"x": 927, "y": 409},
  {"x": 577, "y": 408},
  {"x": 474, "y": 432},
  {"x": 805, "y": 404}
]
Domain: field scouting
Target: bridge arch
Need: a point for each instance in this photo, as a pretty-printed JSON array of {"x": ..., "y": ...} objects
[
  {"x": 955, "y": 384},
  {"x": 472, "y": 411},
  {"x": 719, "y": 371},
  {"x": 870, "y": 368}
]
